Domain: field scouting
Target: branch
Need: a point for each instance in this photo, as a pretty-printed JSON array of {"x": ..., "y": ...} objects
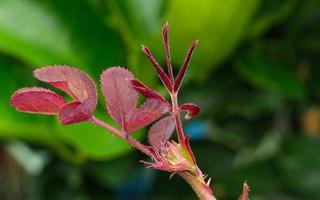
[
  {"x": 136, "y": 144},
  {"x": 202, "y": 190}
]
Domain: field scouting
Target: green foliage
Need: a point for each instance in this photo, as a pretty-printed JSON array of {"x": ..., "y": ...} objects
[{"x": 260, "y": 71}]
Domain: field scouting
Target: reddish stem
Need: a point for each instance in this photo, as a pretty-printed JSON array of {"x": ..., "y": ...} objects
[
  {"x": 176, "y": 115},
  {"x": 197, "y": 182},
  {"x": 136, "y": 144}
]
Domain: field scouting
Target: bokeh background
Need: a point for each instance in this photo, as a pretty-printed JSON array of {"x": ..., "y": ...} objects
[{"x": 255, "y": 74}]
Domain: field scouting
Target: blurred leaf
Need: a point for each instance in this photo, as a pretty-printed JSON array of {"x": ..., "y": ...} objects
[
  {"x": 266, "y": 149},
  {"x": 94, "y": 43},
  {"x": 258, "y": 70},
  {"x": 300, "y": 166},
  {"x": 32, "y": 33},
  {"x": 104, "y": 172},
  {"x": 135, "y": 21},
  {"x": 253, "y": 105},
  {"x": 219, "y": 25},
  {"x": 269, "y": 17},
  {"x": 143, "y": 17},
  {"x": 47, "y": 32}
]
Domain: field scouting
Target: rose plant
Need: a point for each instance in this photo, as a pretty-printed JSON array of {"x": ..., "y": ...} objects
[{"x": 120, "y": 89}]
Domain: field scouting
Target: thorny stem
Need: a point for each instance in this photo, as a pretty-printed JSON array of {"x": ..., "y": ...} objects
[
  {"x": 196, "y": 182},
  {"x": 201, "y": 189},
  {"x": 136, "y": 144}
]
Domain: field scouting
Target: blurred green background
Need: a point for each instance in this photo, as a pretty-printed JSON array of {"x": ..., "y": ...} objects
[{"x": 255, "y": 74}]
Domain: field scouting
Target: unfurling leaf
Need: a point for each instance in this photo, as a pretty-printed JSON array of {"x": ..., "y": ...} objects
[
  {"x": 191, "y": 108},
  {"x": 119, "y": 96},
  {"x": 150, "y": 111},
  {"x": 37, "y": 100},
  {"x": 161, "y": 132},
  {"x": 147, "y": 92}
]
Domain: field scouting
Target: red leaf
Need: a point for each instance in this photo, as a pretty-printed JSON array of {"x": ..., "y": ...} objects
[
  {"x": 191, "y": 108},
  {"x": 161, "y": 132},
  {"x": 37, "y": 100},
  {"x": 184, "y": 66},
  {"x": 120, "y": 97},
  {"x": 76, "y": 112},
  {"x": 150, "y": 111},
  {"x": 162, "y": 75},
  {"x": 74, "y": 82},
  {"x": 167, "y": 49},
  {"x": 147, "y": 92}
]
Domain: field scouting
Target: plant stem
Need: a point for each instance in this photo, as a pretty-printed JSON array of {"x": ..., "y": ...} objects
[
  {"x": 136, "y": 144},
  {"x": 176, "y": 114},
  {"x": 196, "y": 182},
  {"x": 202, "y": 190}
]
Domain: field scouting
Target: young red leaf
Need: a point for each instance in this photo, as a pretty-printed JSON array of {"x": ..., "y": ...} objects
[
  {"x": 191, "y": 108},
  {"x": 184, "y": 66},
  {"x": 147, "y": 92},
  {"x": 167, "y": 50},
  {"x": 162, "y": 75},
  {"x": 120, "y": 97},
  {"x": 37, "y": 100},
  {"x": 74, "y": 82},
  {"x": 150, "y": 111},
  {"x": 161, "y": 132},
  {"x": 76, "y": 112}
]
